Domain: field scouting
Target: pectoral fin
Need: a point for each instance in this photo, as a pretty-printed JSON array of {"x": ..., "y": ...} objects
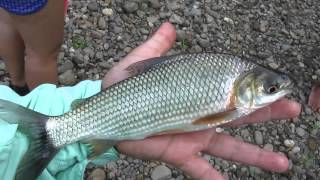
[
  {"x": 218, "y": 118},
  {"x": 76, "y": 103}
]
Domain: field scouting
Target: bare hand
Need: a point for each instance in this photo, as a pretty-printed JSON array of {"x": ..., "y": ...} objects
[{"x": 182, "y": 150}]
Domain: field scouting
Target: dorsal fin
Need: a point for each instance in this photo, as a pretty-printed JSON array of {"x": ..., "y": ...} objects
[{"x": 144, "y": 65}]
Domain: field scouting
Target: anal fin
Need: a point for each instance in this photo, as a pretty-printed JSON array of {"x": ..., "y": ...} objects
[{"x": 98, "y": 149}]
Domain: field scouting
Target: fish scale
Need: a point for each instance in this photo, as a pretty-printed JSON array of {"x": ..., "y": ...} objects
[{"x": 170, "y": 95}]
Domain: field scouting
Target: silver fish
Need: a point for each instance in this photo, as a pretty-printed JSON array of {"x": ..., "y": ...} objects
[{"x": 179, "y": 93}]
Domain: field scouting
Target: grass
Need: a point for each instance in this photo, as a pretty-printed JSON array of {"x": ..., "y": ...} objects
[
  {"x": 78, "y": 43},
  {"x": 184, "y": 45}
]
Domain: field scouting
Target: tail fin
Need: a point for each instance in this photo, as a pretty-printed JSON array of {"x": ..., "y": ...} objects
[{"x": 33, "y": 125}]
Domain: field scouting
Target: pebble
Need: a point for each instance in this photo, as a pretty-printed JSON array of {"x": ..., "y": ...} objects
[
  {"x": 89, "y": 51},
  {"x": 301, "y": 64},
  {"x": 2, "y": 66},
  {"x": 93, "y": 6},
  {"x": 107, "y": 11},
  {"x": 205, "y": 43},
  {"x": 68, "y": 65},
  {"x": 176, "y": 19},
  {"x": 312, "y": 144},
  {"x": 97, "y": 174},
  {"x": 130, "y": 6},
  {"x": 263, "y": 26},
  {"x": 254, "y": 171},
  {"x": 289, "y": 143},
  {"x": 273, "y": 65},
  {"x": 161, "y": 172},
  {"x": 102, "y": 23},
  {"x": 228, "y": 20},
  {"x": 67, "y": 78},
  {"x": 245, "y": 133},
  {"x": 258, "y": 137},
  {"x": 296, "y": 149},
  {"x": 268, "y": 147},
  {"x": 155, "y": 4},
  {"x": 317, "y": 72},
  {"x": 78, "y": 58},
  {"x": 300, "y": 131}
]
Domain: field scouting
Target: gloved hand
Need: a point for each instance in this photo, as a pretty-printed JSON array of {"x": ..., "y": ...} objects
[{"x": 71, "y": 161}]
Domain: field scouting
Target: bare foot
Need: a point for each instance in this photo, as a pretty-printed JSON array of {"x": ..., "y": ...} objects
[{"x": 314, "y": 98}]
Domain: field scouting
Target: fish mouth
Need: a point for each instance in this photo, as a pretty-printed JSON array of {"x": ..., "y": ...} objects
[{"x": 287, "y": 87}]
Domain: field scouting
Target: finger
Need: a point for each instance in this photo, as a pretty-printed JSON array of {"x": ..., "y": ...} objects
[
  {"x": 200, "y": 169},
  {"x": 282, "y": 109},
  {"x": 229, "y": 148},
  {"x": 158, "y": 44}
]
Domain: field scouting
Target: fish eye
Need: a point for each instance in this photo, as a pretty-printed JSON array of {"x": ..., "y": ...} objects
[{"x": 272, "y": 89}]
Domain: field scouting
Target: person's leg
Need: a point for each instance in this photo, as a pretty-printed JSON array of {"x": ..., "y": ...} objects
[
  {"x": 12, "y": 50},
  {"x": 42, "y": 33}
]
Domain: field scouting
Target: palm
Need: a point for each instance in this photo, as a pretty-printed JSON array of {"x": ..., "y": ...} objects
[{"x": 182, "y": 150}]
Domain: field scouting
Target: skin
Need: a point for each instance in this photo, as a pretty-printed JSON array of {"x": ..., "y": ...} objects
[
  {"x": 30, "y": 44},
  {"x": 182, "y": 150}
]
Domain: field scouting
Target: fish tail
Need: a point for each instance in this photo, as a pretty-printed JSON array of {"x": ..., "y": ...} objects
[{"x": 33, "y": 125}]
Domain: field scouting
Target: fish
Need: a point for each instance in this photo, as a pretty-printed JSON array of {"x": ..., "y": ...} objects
[{"x": 170, "y": 94}]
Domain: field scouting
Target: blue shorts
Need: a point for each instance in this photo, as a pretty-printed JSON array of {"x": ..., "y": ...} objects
[{"x": 23, "y": 7}]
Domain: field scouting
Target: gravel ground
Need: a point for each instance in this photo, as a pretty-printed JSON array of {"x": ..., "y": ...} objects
[{"x": 282, "y": 34}]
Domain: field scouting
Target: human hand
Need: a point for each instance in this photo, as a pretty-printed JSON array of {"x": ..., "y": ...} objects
[{"x": 182, "y": 150}]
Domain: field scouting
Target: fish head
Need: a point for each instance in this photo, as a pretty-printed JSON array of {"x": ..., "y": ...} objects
[{"x": 260, "y": 87}]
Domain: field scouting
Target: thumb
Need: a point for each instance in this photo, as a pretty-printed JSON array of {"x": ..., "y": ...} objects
[{"x": 158, "y": 44}]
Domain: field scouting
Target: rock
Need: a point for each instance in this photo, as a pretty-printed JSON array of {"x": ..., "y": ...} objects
[
  {"x": 258, "y": 137},
  {"x": 176, "y": 19},
  {"x": 67, "y": 78},
  {"x": 312, "y": 144},
  {"x": 99, "y": 55},
  {"x": 93, "y": 6},
  {"x": 107, "y": 11},
  {"x": 205, "y": 43},
  {"x": 78, "y": 58},
  {"x": 263, "y": 26},
  {"x": 296, "y": 149},
  {"x": 130, "y": 6},
  {"x": 289, "y": 143},
  {"x": 268, "y": 147},
  {"x": 300, "y": 131},
  {"x": 102, "y": 23},
  {"x": 228, "y": 20},
  {"x": 97, "y": 174},
  {"x": 245, "y": 133},
  {"x": 254, "y": 171},
  {"x": 68, "y": 65},
  {"x": 155, "y": 4},
  {"x": 273, "y": 65},
  {"x": 301, "y": 64},
  {"x": 2, "y": 66},
  {"x": 152, "y": 19},
  {"x": 317, "y": 72},
  {"x": 161, "y": 172},
  {"x": 88, "y": 51}
]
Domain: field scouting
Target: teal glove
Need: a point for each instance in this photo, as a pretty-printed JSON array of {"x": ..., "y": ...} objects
[{"x": 71, "y": 161}]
